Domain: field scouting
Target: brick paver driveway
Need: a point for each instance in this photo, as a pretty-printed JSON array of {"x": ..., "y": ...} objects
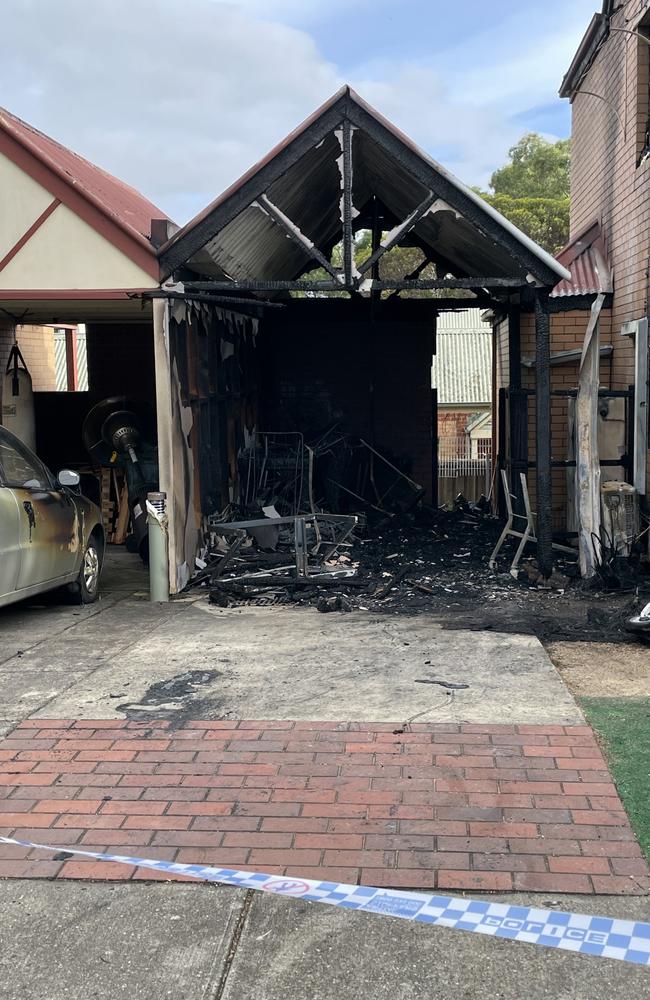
[{"x": 448, "y": 806}]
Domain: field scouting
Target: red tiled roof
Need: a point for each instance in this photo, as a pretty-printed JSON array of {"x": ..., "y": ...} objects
[
  {"x": 122, "y": 204},
  {"x": 586, "y": 258}
]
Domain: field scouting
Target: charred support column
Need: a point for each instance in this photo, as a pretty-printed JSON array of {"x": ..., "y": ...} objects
[
  {"x": 518, "y": 412},
  {"x": 543, "y": 433},
  {"x": 164, "y": 412}
]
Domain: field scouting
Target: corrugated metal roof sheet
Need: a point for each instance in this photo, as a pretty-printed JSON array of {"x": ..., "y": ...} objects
[
  {"x": 586, "y": 259},
  {"x": 462, "y": 367},
  {"x": 309, "y": 193},
  {"x": 121, "y": 203}
]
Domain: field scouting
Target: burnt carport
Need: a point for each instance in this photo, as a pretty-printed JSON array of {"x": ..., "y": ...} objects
[{"x": 258, "y": 321}]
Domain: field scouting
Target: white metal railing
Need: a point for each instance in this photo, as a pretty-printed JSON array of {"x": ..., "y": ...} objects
[{"x": 459, "y": 455}]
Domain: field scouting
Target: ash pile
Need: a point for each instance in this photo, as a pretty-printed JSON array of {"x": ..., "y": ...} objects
[{"x": 382, "y": 549}]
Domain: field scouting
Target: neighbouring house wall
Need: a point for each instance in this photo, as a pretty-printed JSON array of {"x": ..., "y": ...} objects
[
  {"x": 36, "y": 345},
  {"x": 6, "y": 341},
  {"x": 453, "y": 423},
  {"x": 608, "y": 183}
]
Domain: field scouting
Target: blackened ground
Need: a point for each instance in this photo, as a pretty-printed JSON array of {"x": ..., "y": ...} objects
[{"x": 436, "y": 562}]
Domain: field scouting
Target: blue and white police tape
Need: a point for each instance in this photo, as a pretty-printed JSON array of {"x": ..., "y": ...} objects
[{"x": 605, "y": 937}]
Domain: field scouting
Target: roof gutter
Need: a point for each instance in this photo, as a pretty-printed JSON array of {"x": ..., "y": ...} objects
[{"x": 594, "y": 37}]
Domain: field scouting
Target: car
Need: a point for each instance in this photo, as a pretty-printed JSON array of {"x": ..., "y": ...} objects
[{"x": 50, "y": 534}]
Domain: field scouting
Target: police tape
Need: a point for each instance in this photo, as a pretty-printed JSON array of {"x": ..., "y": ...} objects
[{"x": 604, "y": 937}]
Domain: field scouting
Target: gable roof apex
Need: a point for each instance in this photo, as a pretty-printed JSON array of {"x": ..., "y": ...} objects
[
  {"x": 408, "y": 160},
  {"x": 119, "y": 202}
]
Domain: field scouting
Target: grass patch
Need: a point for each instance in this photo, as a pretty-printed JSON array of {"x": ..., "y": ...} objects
[{"x": 623, "y": 725}]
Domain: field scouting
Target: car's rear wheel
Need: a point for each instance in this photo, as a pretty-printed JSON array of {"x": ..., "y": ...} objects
[{"x": 86, "y": 586}]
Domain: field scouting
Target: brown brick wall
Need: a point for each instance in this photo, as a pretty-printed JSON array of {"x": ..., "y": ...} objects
[
  {"x": 453, "y": 423},
  {"x": 606, "y": 183},
  {"x": 36, "y": 345},
  {"x": 6, "y": 340}
]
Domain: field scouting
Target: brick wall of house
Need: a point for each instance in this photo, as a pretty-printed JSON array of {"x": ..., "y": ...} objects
[
  {"x": 453, "y": 423},
  {"x": 606, "y": 183},
  {"x": 36, "y": 345},
  {"x": 6, "y": 340}
]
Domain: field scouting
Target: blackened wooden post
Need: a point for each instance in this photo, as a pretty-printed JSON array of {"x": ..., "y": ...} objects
[
  {"x": 514, "y": 347},
  {"x": 518, "y": 413},
  {"x": 543, "y": 433},
  {"x": 434, "y": 447},
  {"x": 348, "y": 258},
  {"x": 502, "y": 448}
]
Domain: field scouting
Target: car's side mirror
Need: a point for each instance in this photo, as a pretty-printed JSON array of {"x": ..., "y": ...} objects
[{"x": 67, "y": 477}]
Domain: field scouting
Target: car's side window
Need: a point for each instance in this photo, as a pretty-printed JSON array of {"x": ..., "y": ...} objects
[{"x": 20, "y": 469}]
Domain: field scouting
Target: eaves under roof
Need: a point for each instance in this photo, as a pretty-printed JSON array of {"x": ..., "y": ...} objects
[
  {"x": 121, "y": 204},
  {"x": 235, "y": 238}
]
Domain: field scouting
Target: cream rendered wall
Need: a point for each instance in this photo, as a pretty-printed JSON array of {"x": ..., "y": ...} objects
[
  {"x": 65, "y": 252},
  {"x": 22, "y": 200}
]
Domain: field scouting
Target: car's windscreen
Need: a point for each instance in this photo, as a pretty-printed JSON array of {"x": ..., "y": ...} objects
[{"x": 20, "y": 468}]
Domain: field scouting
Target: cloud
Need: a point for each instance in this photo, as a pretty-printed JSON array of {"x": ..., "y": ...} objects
[{"x": 179, "y": 99}]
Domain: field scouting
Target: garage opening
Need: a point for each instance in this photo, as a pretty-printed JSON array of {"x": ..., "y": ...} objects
[{"x": 303, "y": 302}]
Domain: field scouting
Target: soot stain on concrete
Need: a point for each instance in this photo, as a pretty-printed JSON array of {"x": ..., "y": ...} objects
[{"x": 173, "y": 698}]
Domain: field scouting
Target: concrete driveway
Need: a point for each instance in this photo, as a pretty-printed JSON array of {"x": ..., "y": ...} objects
[{"x": 127, "y": 658}]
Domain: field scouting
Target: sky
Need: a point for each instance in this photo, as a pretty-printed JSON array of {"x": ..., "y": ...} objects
[{"x": 180, "y": 97}]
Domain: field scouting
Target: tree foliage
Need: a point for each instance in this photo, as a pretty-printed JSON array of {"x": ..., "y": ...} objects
[
  {"x": 532, "y": 190},
  {"x": 545, "y": 220},
  {"x": 537, "y": 169}
]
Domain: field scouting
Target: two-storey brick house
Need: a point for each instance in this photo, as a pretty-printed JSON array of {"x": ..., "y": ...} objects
[{"x": 608, "y": 84}]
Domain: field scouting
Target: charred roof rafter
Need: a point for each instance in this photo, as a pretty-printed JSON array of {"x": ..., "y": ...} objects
[{"x": 348, "y": 140}]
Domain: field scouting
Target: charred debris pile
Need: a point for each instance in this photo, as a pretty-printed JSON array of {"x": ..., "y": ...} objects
[
  {"x": 386, "y": 550},
  {"x": 336, "y": 524}
]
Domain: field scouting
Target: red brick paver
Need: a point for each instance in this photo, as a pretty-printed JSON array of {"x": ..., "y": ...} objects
[{"x": 441, "y": 806}]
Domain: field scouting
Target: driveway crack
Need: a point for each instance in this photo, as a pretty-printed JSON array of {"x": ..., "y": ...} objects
[{"x": 234, "y": 944}]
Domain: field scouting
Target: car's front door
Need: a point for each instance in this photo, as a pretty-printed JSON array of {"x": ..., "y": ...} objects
[
  {"x": 48, "y": 519},
  {"x": 9, "y": 542}
]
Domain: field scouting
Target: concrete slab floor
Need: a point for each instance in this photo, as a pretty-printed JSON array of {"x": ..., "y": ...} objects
[
  {"x": 193, "y": 942},
  {"x": 276, "y": 663}
]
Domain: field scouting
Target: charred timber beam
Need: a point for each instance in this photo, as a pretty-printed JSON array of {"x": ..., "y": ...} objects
[
  {"x": 264, "y": 286},
  {"x": 294, "y": 233},
  {"x": 543, "y": 434},
  {"x": 348, "y": 248},
  {"x": 398, "y": 233},
  {"x": 442, "y": 283},
  {"x": 368, "y": 285}
]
